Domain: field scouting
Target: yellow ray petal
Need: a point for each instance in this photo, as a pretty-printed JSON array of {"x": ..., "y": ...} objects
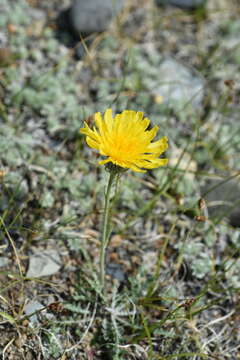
[{"x": 125, "y": 140}]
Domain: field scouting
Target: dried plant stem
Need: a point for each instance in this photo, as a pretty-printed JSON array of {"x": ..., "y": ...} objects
[
  {"x": 13, "y": 245},
  {"x": 106, "y": 232}
]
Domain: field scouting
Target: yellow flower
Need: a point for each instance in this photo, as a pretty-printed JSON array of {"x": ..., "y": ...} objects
[{"x": 126, "y": 141}]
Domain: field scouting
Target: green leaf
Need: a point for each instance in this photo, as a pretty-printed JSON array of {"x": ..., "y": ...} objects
[{"x": 7, "y": 317}]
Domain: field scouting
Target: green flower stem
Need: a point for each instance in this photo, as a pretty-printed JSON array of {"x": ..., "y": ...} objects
[{"x": 106, "y": 232}]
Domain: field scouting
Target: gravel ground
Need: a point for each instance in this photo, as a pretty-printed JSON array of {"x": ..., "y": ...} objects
[{"x": 52, "y": 189}]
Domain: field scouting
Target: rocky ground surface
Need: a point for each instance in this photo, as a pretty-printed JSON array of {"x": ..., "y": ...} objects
[{"x": 181, "y": 67}]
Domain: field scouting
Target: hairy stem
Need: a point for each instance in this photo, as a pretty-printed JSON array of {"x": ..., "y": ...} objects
[{"x": 106, "y": 232}]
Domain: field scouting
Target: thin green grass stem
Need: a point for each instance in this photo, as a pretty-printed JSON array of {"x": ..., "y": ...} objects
[
  {"x": 153, "y": 284},
  {"x": 105, "y": 232}
]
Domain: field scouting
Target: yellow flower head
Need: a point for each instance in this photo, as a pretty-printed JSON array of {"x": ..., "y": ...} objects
[{"x": 126, "y": 141}]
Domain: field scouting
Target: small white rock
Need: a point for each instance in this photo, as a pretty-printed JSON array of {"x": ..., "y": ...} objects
[
  {"x": 3, "y": 261},
  {"x": 32, "y": 307},
  {"x": 44, "y": 263},
  {"x": 178, "y": 85}
]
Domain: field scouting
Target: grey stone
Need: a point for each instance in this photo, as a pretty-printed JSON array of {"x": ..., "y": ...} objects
[
  {"x": 179, "y": 86},
  {"x": 185, "y": 4},
  {"x": 44, "y": 263},
  {"x": 32, "y": 307},
  {"x": 116, "y": 271},
  {"x": 3, "y": 261},
  {"x": 89, "y": 16},
  {"x": 223, "y": 200},
  {"x": 234, "y": 218},
  {"x": 38, "y": 14}
]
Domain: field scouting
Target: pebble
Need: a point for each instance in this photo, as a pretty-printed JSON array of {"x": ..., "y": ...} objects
[
  {"x": 184, "y": 162},
  {"x": 178, "y": 85},
  {"x": 86, "y": 17},
  {"x": 3, "y": 261},
  {"x": 32, "y": 307},
  {"x": 116, "y": 271},
  {"x": 222, "y": 198},
  {"x": 44, "y": 263}
]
